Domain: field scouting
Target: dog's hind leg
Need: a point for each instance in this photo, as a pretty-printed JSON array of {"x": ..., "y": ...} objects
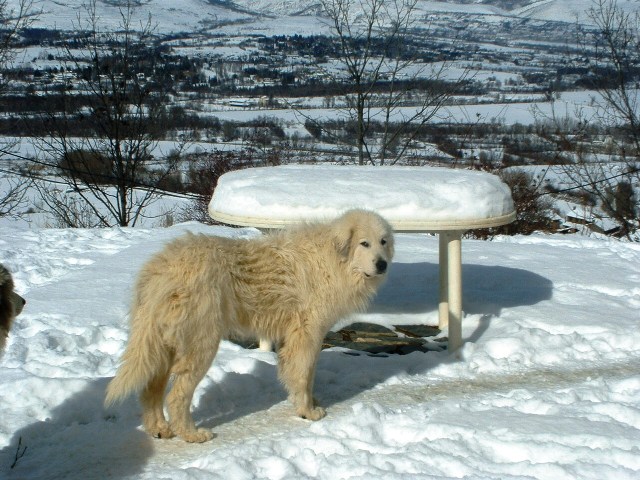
[
  {"x": 152, "y": 399},
  {"x": 297, "y": 358},
  {"x": 189, "y": 369}
]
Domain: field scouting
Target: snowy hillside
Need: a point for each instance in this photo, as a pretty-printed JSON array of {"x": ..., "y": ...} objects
[
  {"x": 194, "y": 15},
  {"x": 280, "y": 7},
  {"x": 543, "y": 9},
  {"x": 552, "y": 10},
  {"x": 169, "y": 15},
  {"x": 546, "y": 387},
  {"x": 564, "y": 10}
]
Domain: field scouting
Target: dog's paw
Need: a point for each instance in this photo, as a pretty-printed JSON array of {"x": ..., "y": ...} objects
[
  {"x": 197, "y": 436},
  {"x": 315, "y": 413},
  {"x": 157, "y": 428},
  {"x": 164, "y": 433}
]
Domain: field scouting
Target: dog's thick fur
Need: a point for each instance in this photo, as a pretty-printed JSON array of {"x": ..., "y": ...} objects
[
  {"x": 10, "y": 305},
  {"x": 290, "y": 287}
]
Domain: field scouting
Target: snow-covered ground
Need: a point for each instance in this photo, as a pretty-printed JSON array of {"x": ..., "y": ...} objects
[{"x": 547, "y": 385}]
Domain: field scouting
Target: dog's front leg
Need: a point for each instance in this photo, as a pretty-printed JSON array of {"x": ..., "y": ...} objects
[{"x": 298, "y": 356}]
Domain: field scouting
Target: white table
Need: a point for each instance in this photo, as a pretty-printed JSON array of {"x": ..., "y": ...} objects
[{"x": 413, "y": 199}]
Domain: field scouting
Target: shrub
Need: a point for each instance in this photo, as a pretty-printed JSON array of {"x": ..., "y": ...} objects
[
  {"x": 203, "y": 177},
  {"x": 87, "y": 166},
  {"x": 533, "y": 208}
]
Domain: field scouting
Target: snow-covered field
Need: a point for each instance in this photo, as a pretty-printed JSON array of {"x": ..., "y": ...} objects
[{"x": 547, "y": 385}]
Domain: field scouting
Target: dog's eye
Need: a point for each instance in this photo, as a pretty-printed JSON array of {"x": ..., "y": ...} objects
[
  {"x": 383, "y": 242},
  {"x": 365, "y": 244}
]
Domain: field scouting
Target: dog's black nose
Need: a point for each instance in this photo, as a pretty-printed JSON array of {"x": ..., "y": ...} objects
[{"x": 381, "y": 266}]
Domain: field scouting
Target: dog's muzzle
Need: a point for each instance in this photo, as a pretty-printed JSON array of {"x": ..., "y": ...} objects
[{"x": 18, "y": 302}]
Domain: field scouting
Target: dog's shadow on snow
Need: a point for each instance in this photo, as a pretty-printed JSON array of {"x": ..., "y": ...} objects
[
  {"x": 412, "y": 288},
  {"x": 238, "y": 394},
  {"x": 79, "y": 440}
]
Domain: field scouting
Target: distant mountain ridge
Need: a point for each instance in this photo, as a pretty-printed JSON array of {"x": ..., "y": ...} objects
[
  {"x": 197, "y": 15},
  {"x": 558, "y": 10},
  {"x": 507, "y": 5}
]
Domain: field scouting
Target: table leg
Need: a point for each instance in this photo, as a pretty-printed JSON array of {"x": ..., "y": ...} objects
[
  {"x": 443, "y": 306},
  {"x": 450, "y": 308},
  {"x": 266, "y": 345}
]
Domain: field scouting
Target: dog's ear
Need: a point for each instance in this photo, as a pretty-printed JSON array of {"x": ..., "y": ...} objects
[{"x": 342, "y": 236}]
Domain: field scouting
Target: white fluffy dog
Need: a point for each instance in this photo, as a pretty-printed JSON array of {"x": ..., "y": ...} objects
[{"x": 290, "y": 287}]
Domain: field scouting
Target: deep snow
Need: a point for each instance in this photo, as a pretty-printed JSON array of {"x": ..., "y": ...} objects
[
  {"x": 404, "y": 194},
  {"x": 547, "y": 385}
]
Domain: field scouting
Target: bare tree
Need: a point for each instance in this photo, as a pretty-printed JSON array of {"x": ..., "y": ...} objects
[
  {"x": 102, "y": 144},
  {"x": 375, "y": 51},
  {"x": 598, "y": 147},
  {"x": 613, "y": 48},
  {"x": 616, "y": 62},
  {"x": 13, "y": 188}
]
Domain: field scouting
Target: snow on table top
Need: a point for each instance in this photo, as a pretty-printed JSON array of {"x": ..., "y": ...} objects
[{"x": 410, "y": 198}]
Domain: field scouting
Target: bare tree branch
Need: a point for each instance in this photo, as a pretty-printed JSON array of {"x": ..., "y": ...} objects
[
  {"x": 374, "y": 43},
  {"x": 107, "y": 165},
  {"x": 607, "y": 176}
]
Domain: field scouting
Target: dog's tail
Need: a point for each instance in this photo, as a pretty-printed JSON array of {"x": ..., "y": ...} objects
[{"x": 144, "y": 357}]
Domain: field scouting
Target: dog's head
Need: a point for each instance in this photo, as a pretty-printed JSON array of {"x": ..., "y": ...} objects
[
  {"x": 365, "y": 241},
  {"x": 10, "y": 304}
]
